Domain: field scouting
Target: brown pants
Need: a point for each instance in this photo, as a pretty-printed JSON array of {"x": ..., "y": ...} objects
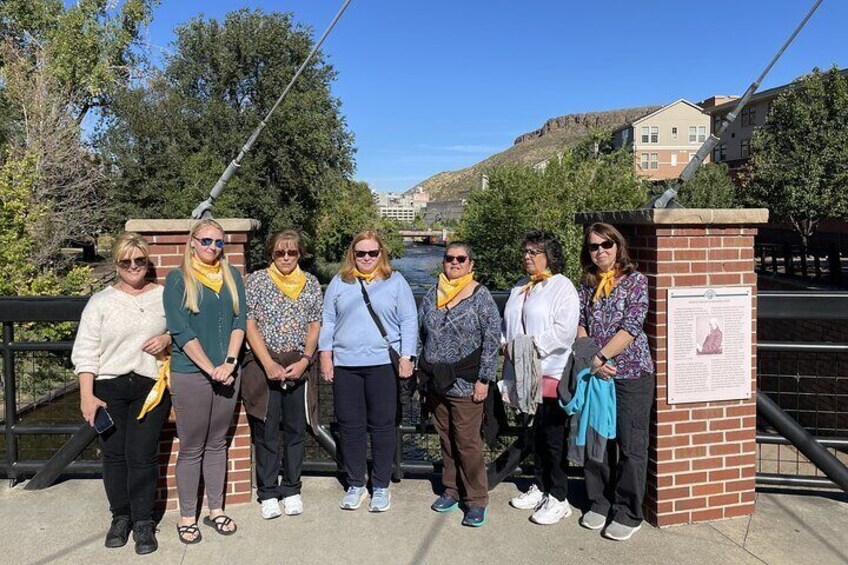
[{"x": 458, "y": 422}]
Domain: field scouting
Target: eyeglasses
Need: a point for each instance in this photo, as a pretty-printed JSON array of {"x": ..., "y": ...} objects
[
  {"x": 371, "y": 253},
  {"x": 208, "y": 241},
  {"x": 139, "y": 262},
  {"x": 458, "y": 258},
  {"x": 608, "y": 244},
  {"x": 532, "y": 252},
  {"x": 279, "y": 254}
]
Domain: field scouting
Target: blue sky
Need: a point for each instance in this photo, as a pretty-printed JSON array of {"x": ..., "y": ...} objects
[{"x": 439, "y": 85}]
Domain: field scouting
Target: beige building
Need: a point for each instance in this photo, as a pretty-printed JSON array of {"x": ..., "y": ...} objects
[{"x": 665, "y": 140}]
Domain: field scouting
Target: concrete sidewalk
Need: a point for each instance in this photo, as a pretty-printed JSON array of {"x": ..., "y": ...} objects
[{"x": 67, "y": 524}]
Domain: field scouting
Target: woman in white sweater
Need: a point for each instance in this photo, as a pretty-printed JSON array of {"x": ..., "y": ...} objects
[
  {"x": 121, "y": 332},
  {"x": 544, "y": 305}
]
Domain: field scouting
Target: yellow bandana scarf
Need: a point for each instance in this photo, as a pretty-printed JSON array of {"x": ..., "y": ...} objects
[
  {"x": 605, "y": 285},
  {"x": 367, "y": 278},
  {"x": 163, "y": 381},
  {"x": 448, "y": 289},
  {"x": 209, "y": 275},
  {"x": 537, "y": 278},
  {"x": 292, "y": 284}
]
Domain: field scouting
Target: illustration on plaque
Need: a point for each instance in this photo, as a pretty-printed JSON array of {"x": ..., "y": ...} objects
[{"x": 708, "y": 328}]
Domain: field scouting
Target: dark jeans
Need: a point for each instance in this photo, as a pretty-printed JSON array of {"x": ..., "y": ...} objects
[
  {"x": 131, "y": 446},
  {"x": 625, "y": 493},
  {"x": 365, "y": 400},
  {"x": 289, "y": 408},
  {"x": 458, "y": 421},
  {"x": 550, "y": 448}
]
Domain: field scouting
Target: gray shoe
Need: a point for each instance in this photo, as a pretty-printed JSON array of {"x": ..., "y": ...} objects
[
  {"x": 620, "y": 532},
  {"x": 593, "y": 520}
]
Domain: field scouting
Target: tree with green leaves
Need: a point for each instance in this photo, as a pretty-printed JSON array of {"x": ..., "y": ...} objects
[
  {"x": 520, "y": 199},
  {"x": 170, "y": 138},
  {"x": 799, "y": 163},
  {"x": 710, "y": 187}
]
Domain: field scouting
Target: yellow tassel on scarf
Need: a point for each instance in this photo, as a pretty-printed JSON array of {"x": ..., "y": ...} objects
[
  {"x": 605, "y": 285},
  {"x": 292, "y": 284},
  {"x": 209, "y": 276},
  {"x": 537, "y": 278},
  {"x": 163, "y": 381},
  {"x": 367, "y": 278},
  {"x": 448, "y": 289}
]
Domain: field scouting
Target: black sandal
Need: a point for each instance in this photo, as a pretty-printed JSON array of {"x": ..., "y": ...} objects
[
  {"x": 191, "y": 530},
  {"x": 219, "y": 522}
]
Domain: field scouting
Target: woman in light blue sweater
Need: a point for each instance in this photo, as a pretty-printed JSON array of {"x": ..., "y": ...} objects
[{"x": 357, "y": 359}]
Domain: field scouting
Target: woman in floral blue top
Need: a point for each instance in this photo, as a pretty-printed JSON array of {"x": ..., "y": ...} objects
[{"x": 613, "y": 305}]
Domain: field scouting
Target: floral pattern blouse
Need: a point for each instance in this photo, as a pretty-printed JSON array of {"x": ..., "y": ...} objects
[
  {"x": 451, "y": 334},
  {"x": 283, "y": 322},
  {"x": 624, "y": 309}
]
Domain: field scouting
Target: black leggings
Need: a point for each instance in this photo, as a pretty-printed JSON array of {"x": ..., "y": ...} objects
[
  {"x": 365, "y": 400},
  {"x": 131, "y": 446}
]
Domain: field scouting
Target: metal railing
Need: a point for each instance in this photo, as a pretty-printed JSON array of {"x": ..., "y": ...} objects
[{"x": 806, "y": 375}]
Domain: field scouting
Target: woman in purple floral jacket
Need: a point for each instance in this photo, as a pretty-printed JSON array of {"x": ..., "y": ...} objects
[{"x": 613, "y": 305}]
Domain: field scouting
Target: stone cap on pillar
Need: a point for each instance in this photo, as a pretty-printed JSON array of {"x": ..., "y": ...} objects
[
  {"x": 677, "y": 216},
  {"x": 182, "y": 226}
]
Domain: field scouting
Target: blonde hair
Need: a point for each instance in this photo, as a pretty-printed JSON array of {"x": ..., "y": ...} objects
[
  {"x": 383, "y": 268},
  {"x": 191, "y": 296},
  {"x": 125, "y": 243}
]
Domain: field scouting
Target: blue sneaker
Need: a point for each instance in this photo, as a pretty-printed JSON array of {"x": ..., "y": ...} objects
[
  {"x": 475, "y": 517},
  {"x": 353, "y": 498},
  {"x": 445, "y": 503},
  {"x": 381, "y": 500}
]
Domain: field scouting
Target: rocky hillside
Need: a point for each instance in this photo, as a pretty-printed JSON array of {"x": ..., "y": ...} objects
[{"x": 531, "y": 148}]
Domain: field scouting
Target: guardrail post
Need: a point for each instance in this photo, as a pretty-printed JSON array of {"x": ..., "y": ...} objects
[
  {"x": 10, "y": 388},
  {"x": 702, "y": 451}
]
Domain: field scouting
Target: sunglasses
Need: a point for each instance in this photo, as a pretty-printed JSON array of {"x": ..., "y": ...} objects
[
  {"x": 608, "y": 244},
  {"x": 532, "y": 252},
  {"x": 208, "y": 241},
  {"x": 372, "y": 253},
  {"x": 458, "y": 258},
  {"x": 286, "y": 253},
  {"x": 139, "y": 262}
]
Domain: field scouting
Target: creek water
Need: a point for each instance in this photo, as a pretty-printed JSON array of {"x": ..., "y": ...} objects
[{"x": 420, "y": 265}]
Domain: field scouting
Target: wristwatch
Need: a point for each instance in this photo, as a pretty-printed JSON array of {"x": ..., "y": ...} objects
[
  {"x": 601, "y": 357},
  {"x": 231, "y": 361}
]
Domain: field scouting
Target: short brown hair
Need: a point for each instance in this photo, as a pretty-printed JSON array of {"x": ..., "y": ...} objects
[
  {"x": 383, "y": 268},
  {"x": 285, "y": 235},
  {"x": 623, "y": 264}
]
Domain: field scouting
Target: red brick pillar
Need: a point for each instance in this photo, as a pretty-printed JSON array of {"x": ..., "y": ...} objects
[
  {"x": 702, "y": 458},
  {"x": 167, "y": 239}
]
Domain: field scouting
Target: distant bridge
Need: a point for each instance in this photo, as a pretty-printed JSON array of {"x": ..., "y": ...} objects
[{"x": 428, "y": 237}]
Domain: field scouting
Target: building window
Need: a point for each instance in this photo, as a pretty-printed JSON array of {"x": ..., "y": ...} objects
[
  {"x": 723, "y": 151},
  {"x": 702, "y": 134},
  {"x": 655, "y": 134},
  {"x": 716, "y": 154},
  {"x": 749, "y": 116},
  {"x": 645, "y": 132},
  {"x": 650, "y": 134},
  {"x": 645, "y": 163},
  {"x": 717, "y": 123},
  {"x": 693, "y": 134},
  {"x": 654, "y": 161},
  {"x": 745, "y": 148},
  {"x": 673, "y": 133}
]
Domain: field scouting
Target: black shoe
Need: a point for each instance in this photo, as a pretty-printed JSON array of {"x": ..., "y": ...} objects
[
  {"x": 119, "y": 532},
  {"x": 144, "y": 534}
]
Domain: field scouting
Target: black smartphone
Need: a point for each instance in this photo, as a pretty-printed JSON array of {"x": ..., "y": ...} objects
[{"x": 102, "y": 420}]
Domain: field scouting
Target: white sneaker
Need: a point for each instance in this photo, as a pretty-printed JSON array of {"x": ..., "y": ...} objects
[
  {"x": 293, "y": 505},
  {"x": 271, "y": 508},
  {"x": 529, "y": 500},
  {"x": 551, "y": 512}
]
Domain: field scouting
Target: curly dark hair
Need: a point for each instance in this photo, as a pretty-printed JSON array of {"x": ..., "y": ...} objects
[{"x": 548, "y": 243}]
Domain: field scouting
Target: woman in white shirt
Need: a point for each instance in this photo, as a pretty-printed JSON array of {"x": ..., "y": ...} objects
[
  {"x": 121, "y": 332},
  {"x": 544, "y": 305}
]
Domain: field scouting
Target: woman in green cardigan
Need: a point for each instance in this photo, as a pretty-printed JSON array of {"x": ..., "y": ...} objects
[{"x": 205, "y": 309}]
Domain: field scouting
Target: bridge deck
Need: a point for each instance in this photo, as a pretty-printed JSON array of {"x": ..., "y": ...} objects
[{"x": 67, "y": 523}]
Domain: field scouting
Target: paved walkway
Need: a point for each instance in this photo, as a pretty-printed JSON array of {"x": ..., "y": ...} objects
[{"x": 67, "y": 523}]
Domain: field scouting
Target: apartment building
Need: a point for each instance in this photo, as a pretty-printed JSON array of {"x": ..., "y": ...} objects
[
  {"x": 665, "y": 140},
  {"x": 734, "y": 149}
]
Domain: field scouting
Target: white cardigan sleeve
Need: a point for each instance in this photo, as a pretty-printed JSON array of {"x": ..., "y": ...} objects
[
  {"x": 86, "y": 351},
  {"x": 565, "y": 308}
]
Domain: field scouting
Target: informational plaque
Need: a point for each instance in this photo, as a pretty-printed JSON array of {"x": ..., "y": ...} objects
[{"x": 709, "y": 344}]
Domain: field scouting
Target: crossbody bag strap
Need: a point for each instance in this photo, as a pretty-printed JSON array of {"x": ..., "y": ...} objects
[{"x": 371, "y": 311}]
